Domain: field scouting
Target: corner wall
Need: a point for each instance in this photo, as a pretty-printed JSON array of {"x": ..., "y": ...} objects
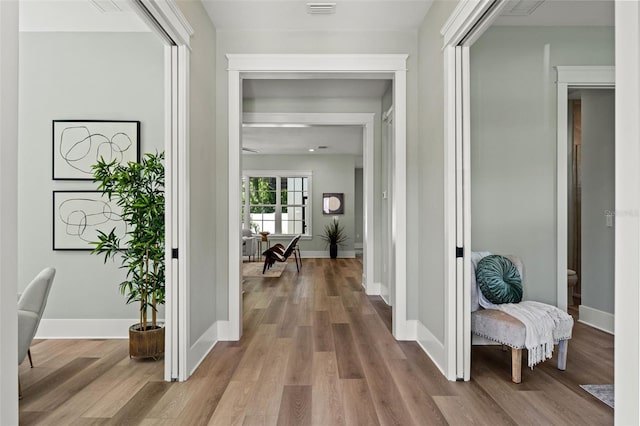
[{"x": 429, "y": 226}]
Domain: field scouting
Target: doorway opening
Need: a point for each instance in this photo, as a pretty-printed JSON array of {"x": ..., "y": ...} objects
[{"x": 325, "y": 67}]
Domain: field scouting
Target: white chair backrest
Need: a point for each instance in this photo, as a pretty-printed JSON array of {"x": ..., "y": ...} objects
[{"x": 34, "y": 297}]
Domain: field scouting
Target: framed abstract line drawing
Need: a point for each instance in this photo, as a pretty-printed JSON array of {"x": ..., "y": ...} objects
[
  {"x": 79, "y": 144},
  {"x": 79, "y": 215},
  {"x": 333, "y": 203}
]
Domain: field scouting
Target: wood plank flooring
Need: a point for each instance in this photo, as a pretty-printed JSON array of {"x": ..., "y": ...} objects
[{"x": 315, "y": 351}]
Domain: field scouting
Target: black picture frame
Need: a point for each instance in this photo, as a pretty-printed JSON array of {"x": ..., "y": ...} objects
[
  {"x": 78, "y": 144},
  {"x": 333, "y": 203},
  {"x": 79, "y": 215}
]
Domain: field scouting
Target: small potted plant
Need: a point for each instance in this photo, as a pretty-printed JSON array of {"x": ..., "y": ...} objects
[
  {"x": 334, "y": 236},
  {"x": 138, "y": 188}
]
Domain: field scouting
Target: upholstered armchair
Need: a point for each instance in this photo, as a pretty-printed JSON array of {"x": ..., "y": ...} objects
[
  {"x": 249, "y": 243},
  {"x": 31, "y": 304}
]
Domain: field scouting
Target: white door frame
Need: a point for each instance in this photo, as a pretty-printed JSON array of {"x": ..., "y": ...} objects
[
  {"x": 166, "y": 20},
  {"x": 366, "y": 120},
  {"x": 385, "y": 66},
  {"x": 465, "y": 25},
  {"x": 597, "y": 77}
]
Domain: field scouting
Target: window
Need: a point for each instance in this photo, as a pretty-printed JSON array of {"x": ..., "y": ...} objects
[{"x": 277, "y": 202}]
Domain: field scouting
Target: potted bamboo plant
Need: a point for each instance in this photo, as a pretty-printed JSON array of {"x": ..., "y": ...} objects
[
  {"x": 334, "y": 236},
  {"x": 138, "y": 188}
]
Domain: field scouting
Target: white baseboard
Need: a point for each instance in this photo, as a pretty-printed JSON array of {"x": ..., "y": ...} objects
[
  {"x": 596, "y": 318},
  {"x": 84, "y": 328},
  {"x": 201, "y": 348},
  {"x": 224, "y": 331},
  {"x": 373, "y": 289},
  {"x": 324, "y": 254},
  {"x": 431, "y": 346}
]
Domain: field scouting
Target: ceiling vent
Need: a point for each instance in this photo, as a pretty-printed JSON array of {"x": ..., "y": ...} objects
[
  {"x": 106, "y": 6},
  {"x": 521, "y": 8},
  {"x": 322, "y": 147},
  {"x": 321, "y": 8}
]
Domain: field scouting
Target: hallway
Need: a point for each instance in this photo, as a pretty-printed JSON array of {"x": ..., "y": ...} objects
[{"x": 315, "y": 350}]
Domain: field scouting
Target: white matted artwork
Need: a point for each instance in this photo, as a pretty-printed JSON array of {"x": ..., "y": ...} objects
[
  {"x": 79, "y": 215},
  {"x": 79, "y": 144}
]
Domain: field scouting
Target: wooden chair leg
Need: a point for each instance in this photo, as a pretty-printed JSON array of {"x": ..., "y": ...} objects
[
  {"x": 516, "y": 365},
  {"x": 562, "y": 354},
  {"x": 296, "y": 256},
  {"x": 29, "y": 355},
  {"x": 19, "y": 388}
]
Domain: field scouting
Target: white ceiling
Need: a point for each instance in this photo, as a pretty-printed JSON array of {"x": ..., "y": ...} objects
[
  {"x": 317, "y": 88},
  {"x": 352, "y": 15},
  {"x": 78, "y": 16},
  {"x": 338, "y": 140},
  {"x": 565, "y": 13}
]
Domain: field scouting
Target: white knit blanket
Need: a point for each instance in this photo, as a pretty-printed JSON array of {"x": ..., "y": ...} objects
[{"x": 544, "y": 326}]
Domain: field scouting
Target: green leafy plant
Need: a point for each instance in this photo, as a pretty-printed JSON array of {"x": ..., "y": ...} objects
[
  {"x": 334, "y": 233},
  {"x": 138, "y": 188}
]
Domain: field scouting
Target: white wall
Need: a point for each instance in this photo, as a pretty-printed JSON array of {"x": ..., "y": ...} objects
[
  {"x": 627, "y": 270},
  {"x": 427, "y": 226},
  {"x": 203, "y": 299},
  {"x": 331, "y": 173},
  {"x": 513, "y": 142},
  {"x": 598, "y": 196},
  {"x": 8, "y": 212},
  {"x": 113, "y": 76}
]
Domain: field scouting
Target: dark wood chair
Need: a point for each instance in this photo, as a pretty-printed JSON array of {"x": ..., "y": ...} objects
[{"x": 278, "y": 253}]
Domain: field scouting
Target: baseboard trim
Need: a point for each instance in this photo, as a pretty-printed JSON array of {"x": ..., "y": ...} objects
[
  {"x": 373, "y": 289},
  {"x": 201, "y": 348},
  {"x": 324, "y": 254},
  {"x": 50, "y": 328},
  {"x": 596, "y": 318},
  {"x": 431, "y": 346}
]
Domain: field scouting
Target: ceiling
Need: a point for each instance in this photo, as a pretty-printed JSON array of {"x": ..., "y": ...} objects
[
  {"x": 551, "y": 13},
  {"x": 79, "y": 16},
  {"x": 278, "y": 140},
  {"x": 352, "y": 15}
]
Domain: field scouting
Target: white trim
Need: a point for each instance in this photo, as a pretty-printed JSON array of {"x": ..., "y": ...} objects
[
  {"x": 465, "y": 25},
  {"x": 166, "y": 20},
  {"x": 300, "y": 66},
  {"x": 373, "y": 63},
  {"x": 170, "y": 18},
  {"x": 8, "y": 212},
  {"x": 627, "y": 229},
  {"x": 385, "y": 295},
  {"x": 430, "y": 345},
  {"x": 468, "y": 16},
  {"x": 84, "y": 328},
  {"x": 373, "y": 289},
  {"x": 596, "y": 318},
  {"x": 324, "y": 254},
  {"x": 201, "y": 348},
  {"x": 567, "y": 77}
]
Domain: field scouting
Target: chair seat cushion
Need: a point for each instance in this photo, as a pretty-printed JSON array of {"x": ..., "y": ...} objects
[
  {"x": 499, "y": 280},
  {"x": 498, "y": 326},
  {"x": 504, "y": 328}
]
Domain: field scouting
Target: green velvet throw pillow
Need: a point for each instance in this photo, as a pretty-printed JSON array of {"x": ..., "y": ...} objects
[{"x": 499, "y": 279}]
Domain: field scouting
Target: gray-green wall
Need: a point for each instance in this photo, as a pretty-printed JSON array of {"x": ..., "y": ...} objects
[
  {"x": 598, "y": 197},
  {"x": 513, "y": 141},
  {"x": 100, "y": 76}
]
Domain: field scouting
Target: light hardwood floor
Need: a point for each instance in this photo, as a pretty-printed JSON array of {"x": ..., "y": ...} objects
[{"x": 315, "y": 350}]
